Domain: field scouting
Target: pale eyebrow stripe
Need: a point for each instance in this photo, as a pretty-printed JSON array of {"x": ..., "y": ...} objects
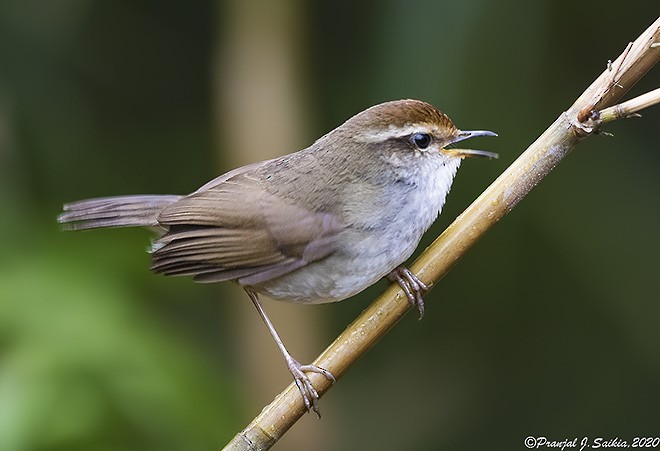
[{"x": 393, "y": 132}]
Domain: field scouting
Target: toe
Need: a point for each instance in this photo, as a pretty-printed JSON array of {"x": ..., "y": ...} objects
[{"x": 317, "y": 369}]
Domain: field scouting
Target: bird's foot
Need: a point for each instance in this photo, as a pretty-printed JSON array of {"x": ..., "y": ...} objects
[
  {"x": 411, "y": 285},
  {"x": 307, "y": 391}
]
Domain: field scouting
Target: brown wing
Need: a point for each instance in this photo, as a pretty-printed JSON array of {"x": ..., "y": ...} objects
[{"x": 234, "y": 230}]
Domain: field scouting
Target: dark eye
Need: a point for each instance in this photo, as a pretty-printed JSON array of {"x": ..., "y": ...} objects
[{"x": 421, "y": 140}]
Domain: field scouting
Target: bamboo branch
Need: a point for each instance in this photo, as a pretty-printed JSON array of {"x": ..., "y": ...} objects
[
  {"x": 630, "y": 107},
  {"x": 579, "y": 121}
]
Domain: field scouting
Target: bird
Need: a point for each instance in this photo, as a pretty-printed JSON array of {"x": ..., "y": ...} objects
[{"x": 314, "y": 226}]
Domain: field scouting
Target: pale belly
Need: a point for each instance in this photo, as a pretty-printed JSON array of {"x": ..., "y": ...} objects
[
  {"x": 366, "y": 256},
  {"x": 387, "y": 235},
  {"x": 336, "y": 277}
]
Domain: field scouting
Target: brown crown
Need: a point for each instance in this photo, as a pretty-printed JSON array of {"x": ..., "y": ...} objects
[{"x": 399, "y": 113}]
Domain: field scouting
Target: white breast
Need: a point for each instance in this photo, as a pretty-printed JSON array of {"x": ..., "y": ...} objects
[
  {"x": 389, "y": 231},
  {"x": 408, "y": 210},
  {"x": 429, "y": 183}
]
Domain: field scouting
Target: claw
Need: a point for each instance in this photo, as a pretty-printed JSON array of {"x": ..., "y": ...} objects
[
  {"x": 411, "y": 286},
  {"x": 303, "y": 382}
]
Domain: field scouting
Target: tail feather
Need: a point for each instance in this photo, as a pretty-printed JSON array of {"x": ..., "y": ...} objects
[{"x": 119, "y": 211}]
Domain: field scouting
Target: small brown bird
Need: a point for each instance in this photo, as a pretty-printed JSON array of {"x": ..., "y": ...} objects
[{"x": 318, "y": 225}]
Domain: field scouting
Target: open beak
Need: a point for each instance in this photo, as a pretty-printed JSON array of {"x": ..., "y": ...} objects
[{"x": 463, "y": 135}]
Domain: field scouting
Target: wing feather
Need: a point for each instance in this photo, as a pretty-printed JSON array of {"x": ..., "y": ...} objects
[{"x": 234, "y": 229}]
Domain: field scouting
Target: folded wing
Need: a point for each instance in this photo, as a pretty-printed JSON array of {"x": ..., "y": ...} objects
[{"x": 235, "y": 229}]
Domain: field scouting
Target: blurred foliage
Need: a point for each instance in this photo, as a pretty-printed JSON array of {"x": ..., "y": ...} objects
[{"x": 548, "y": 327}]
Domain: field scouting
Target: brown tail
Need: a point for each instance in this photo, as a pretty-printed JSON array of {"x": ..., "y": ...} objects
[{"x": 119, "y": 211}]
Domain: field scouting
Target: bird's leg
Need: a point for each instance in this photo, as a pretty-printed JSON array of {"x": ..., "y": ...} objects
[
  {"x": 309, "y": 394},
  {"x": 411, "y": 285}
]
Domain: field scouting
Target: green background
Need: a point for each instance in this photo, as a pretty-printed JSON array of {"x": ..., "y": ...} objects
[{"x": 548, "y": 327}]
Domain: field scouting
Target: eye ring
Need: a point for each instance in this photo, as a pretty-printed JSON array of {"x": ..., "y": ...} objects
[{"x": 421, "y": 140}]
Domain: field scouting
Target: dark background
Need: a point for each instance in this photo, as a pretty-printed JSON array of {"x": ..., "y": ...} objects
[{"x": 548, "y": 327}]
